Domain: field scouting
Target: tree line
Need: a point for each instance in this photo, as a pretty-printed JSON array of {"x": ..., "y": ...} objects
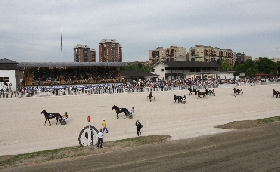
[{"x": 264, "y": 65}]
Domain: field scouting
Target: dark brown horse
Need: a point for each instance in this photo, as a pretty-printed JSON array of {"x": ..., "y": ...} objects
[
  {"x": 120, "y": 110},
  {"x": 150, "y": 96},
  {"x": 193, "y": 90},
  {"x": 276, "y": 93},
  {"x": 179, "y": 98},
  {"x": 203, "y": 94},
  {"x": 49, "y": 116},
  {"x": 237, "y": 91}
]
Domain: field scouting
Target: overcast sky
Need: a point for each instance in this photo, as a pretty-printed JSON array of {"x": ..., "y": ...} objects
[{"x": 30, "y": 30}]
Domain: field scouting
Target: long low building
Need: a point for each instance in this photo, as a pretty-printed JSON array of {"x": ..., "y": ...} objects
[{"x": 189, "y": 69}]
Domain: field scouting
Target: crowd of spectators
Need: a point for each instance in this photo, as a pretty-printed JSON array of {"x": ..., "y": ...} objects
[
  {"x": 72, "y": 75},
  {"x": 133, "y": 86}
]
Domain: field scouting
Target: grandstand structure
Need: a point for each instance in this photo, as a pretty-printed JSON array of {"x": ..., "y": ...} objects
[{"x": 70, "y": 73}]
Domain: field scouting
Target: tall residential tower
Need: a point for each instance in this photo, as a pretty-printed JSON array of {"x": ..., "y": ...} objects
[
  {"x": 110, "y": 51},
  {"x": 83, "y": 53}
]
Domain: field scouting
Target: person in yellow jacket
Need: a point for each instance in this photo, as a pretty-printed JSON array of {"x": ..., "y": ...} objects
[{"x": 104, "y": 126}]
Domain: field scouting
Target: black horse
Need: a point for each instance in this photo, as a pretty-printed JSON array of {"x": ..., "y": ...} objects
[
  {"x": 193, "y": 90},
  {"x": 120, "y": 110},
  {"x": 150, "y": 96},
  {"x": 203, "y": 94},
  {"x": 237, "y": 91},
  {"x": 276, "y": 93},
  {"x": 49, "y": 116},
  {"x": 179, "y": 98}
]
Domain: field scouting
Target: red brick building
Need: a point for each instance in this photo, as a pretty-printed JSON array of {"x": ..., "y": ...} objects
[
  {"x": 83, "y": 53},
  {"x": 110, "y": 51}
]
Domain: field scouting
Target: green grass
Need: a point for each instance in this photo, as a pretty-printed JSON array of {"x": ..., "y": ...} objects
[
  {"x": 268, "y": 120},
  {"x": 76, "y": 151}
]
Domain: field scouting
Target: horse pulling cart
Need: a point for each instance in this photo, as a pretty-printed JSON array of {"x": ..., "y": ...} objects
[
  {"x": 57, "y": 116},
  {"x": 150, "y": 97},
  {"x": 124, "y": 110}
]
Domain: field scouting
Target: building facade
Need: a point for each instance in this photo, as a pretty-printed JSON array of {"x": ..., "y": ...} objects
[
  {"x": 110, "y": 51},
  {"x": 183, "y": 70},
  {"x": 241, "y": 57},
  {"x": 275, "y": 59},
  {"x": 173, "y": 53},
  {"x": 10, "y": 75},
  {"x": 83, "y": 53},
  {"x": 203, "y": 53}
]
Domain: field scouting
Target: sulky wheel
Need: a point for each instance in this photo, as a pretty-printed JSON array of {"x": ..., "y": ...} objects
[
  {"x": 130, "y": 116},
  {"x": 63, "y": 122}
]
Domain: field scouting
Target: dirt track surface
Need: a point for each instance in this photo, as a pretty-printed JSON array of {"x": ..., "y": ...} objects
[{"x": 254, "y": 149}]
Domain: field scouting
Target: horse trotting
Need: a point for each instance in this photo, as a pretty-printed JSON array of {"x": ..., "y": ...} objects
[
  {"x": 193, "y": 90},
  {"x": 49, "y": 116},
  {"x": 150, "y": 96},
  {"x": 276, "y": 93},
  {"x": 203, "y": 94},
  {"x": 237, "y": 91},
  {"x": 180, "y": 99},
  {"x": 120, "y": 110}
]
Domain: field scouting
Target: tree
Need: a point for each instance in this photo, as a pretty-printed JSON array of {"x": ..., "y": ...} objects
[
  {"x": 267, "y": 66},
  {"x": 249, "y": 63},
  {"x": 251, "y": 72},
  {"x": 137, "y": 66},
  {"x": 225, "y": 65},
  {"x": 239, "y": 69}
]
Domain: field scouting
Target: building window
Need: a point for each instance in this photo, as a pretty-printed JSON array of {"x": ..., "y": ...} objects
[{"x": 162, "y": 70}]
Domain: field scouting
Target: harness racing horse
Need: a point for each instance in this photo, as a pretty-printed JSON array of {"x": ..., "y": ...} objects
[
  {"x": 150, "y": 96},
  {"x": 120, "y": 110},
  {"x": 179, "y": 98},
  {"x": 237, "y": 91},
  {"x": 203, "y": 94},
  {"x": 49, "y": 116},
  {"x": 276, "y": 93},
  {"x": 193, "y": 90}
]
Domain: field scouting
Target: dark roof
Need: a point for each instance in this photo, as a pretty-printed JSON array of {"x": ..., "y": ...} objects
[
  {"x": 71, "y": 64},
  {"x": 7, "y": 61},
  {"x": 136, "y": 74},
  {"x": 191, "y": 64},
  {"x": 6, "y": 64}
]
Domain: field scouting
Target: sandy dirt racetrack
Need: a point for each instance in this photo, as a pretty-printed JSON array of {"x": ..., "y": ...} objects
[{"x": 22, "y": 128}]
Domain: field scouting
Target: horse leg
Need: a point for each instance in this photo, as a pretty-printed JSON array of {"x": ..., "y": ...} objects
[
  {"x": 45, "y": 122},
  {"x": 117, "y": 115}
]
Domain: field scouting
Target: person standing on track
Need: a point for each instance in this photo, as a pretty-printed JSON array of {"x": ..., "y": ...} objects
[
  {"x": 139, "y": 126},
  {"x": 104, "y": 126},
  {"x": 100, "y": 139}
]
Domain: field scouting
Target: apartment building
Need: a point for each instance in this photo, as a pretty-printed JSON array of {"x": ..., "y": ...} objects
[
  {"x": 173, "y": 53},
  {"x": 211, "y": 54},
  {"x": 275, "y": 59},
  {"x": 110, "y": 51},
  {"x": 83, "y": 53},
  {"x": 241, "y": 57}
]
